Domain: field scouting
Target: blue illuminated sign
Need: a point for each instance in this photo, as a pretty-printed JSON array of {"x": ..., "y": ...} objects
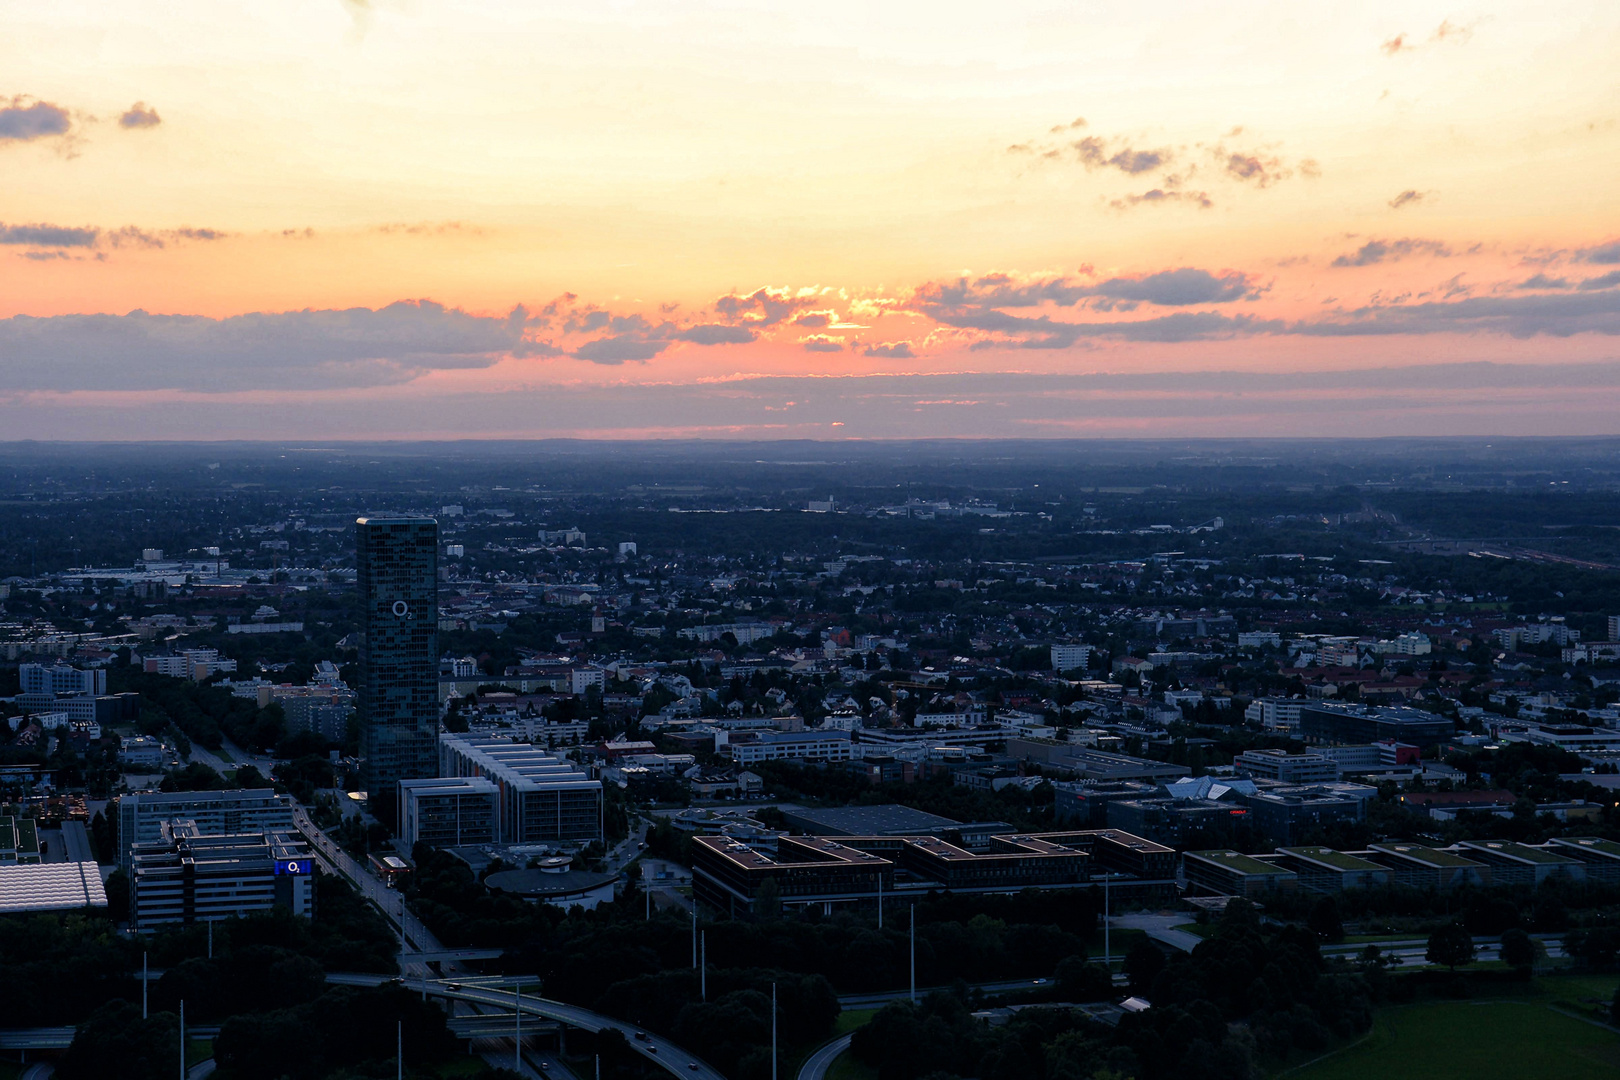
[{"x": 294, "y": 866}]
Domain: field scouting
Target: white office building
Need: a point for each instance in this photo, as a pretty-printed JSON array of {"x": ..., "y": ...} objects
[
  {"x": 542, "y": 797},
  {"x": 142, "y": 814}
]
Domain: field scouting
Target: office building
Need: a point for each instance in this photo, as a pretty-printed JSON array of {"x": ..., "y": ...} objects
[
  {"x": 1284, "y": 814},
  {"x": 19, "y": 841},
  {"x": 60, "y": 680},
  {"x": 1602, "y": 857},
  {"x": 1286, "y": 768},
  {"x": 449, "y": 811},
  {"x": 1324, "y": 870},
  {"x": 1071, "y": 657},
  {"x": 1429, "y": 868},
  {"x": 541, "y": 797},
  {"x": 142, "y": 814},
  {"x": 1229, "y": 873},
  {"x": 1275, "y": 714},
  {"x": 185, "y": 877},
  {"x": 397, "y": 574},
  {"x": 1326, "y": 722},
  {"x": 753, "y": 747},
  {"x": 62, "y": 886},
  {"x": 1085, "y": 802},
  {"x": 1170, "y": 820},
  {"x": 864, "y": 871},
  {"x": 1521, "y": 864}
]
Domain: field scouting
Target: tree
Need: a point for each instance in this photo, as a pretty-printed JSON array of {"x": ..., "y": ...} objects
[
  {"x": 1450, "y": 945},
  {"x": 1142, "y": 965},
  {"x": 1518, "y": 948},
  {"x": 1614, "y": 1007},
  {"x": 1324, "y": 920}
]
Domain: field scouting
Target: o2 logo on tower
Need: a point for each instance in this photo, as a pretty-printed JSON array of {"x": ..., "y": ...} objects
[
  {"x": 293, "y": 866},
  {"x": 402, "y": 610}
]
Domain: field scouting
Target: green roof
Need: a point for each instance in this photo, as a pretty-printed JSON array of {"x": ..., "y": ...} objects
[
  {"x": 1243, "y": 864},
  {"x": 1432, "y": 856},
  {"x": 1327, "y": 856},
  {"x": 1590, "y": 843},
  {"x": 1518, "y": 851}
]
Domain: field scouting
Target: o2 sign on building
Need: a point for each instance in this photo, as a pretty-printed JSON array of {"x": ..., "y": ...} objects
[
  {"x": 401, "y": 609},
  {"x": 295, "y": 866}
]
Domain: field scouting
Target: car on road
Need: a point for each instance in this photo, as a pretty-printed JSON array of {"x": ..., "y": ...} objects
[
  {"x": 642, "y": 1035},
  {"x": 692, "y": 1065},
  {"x": 452, "y": 987},
  {"x": 651, "y": 1049}
]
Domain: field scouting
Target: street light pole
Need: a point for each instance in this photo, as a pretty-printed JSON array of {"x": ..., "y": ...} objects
[
  {"x": 399, "y": 1049},
  {"x": 914, "y": 954},
  {"x": 143, "y": 985},
  {"x": 773, "y": 1031},
  {"x": 1108, "y": 952},
  {"x": 182, "y": 1039},
  {"x": 517, "y": 1042},
  {"x": 703, "y": 968}
]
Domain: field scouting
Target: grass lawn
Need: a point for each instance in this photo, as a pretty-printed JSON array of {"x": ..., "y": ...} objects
[
  {"x": 1120, "y": 940},
  {"x": 1487, "y": 1040},
  {"x": 845, "y": 1067},
  {"x": 850, "y": 1019}
]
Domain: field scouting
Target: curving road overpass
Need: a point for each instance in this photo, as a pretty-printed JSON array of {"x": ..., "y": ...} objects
[{"x": 655, "y": 1048}]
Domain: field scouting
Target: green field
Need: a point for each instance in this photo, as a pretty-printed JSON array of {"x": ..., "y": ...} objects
[{"x": 1487, "y": 1040}]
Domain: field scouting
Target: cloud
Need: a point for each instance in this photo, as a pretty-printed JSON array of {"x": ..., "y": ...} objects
[
  {"x": 1094, "y": 154},
  {"x": 1606, "y": 281},
  {"x": 717, "y": 334},
  {"x": 139, "y": 115},
  {"x": 1396, "y": 45},
  {"x": 1377, "y": 251},
  {"x": 90, "y": 236},
  {"x": 1596, "y": 311},
  {"x": 765, "y": 307},
  {"x": 1200, "y": 199},
  {"x": 1252, "y": 168},
  {"x": 619, "y": 349},
  {"x": 261, "y": 350},
  {"x": 822, "y": 343},
  {"x": 891, "y": 349},
  {"x": 1407, "y": 198},
  {"x": 1177, "y": 288},
  {"x": 51, "y": 236},
  {"x": 1542, "y": 281},
  {"x": 24, "y": 119},
  {"x": 1604, "y": 254}
]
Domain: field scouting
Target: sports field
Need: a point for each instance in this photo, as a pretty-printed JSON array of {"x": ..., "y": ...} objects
[{"x": 1494, "y": 1040}]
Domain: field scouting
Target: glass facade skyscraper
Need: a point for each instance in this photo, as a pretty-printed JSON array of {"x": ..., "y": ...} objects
[{"x": 398, "y": 577}]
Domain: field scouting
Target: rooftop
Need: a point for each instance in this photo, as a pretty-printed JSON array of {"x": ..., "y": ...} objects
[
  {"x": 1590, "y": 843},
  {"x": 1509, "y": 850},
  {"x": 1338, "y": 860},
  {"x": 1236, "y": 861},
  {"x": 888, "y": 820},
  {"x": 1428, "y": 855},
  {"x": 50, "y": 887}
]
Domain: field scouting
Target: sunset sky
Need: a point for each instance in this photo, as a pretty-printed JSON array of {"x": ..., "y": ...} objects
[{"x": 417, "y": 219}]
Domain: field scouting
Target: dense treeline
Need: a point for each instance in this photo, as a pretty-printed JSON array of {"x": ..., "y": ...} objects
[{"x": 1242, "y": 995}]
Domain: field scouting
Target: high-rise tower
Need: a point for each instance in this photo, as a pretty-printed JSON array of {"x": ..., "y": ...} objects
[{"x": 398, "y": 564}]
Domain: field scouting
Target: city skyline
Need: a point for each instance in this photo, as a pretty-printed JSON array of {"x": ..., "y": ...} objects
[{"x": 371, "y": 220}]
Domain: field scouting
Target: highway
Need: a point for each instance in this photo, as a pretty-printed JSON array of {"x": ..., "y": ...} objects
[
  {"x": 816, "y": 1065},
  {"x": 655, "y": 1048}
]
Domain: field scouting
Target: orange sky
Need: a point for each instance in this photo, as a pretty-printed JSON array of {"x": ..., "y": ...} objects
[{"x": 700, "y": 196}]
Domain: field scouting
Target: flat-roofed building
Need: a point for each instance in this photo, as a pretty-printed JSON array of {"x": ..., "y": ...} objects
[
  {"x": 185, "y": 877},
  {"x": 1283, "y": 814},
  {"x": 815, "y": 871},
  {"x": 64, "y": 886},
  {"x": 142, "y": 814},
  {"x": 19, "y": 841},
  {"x": 542, "y": 796},
  {"x": 1520, "y": 864},
  {"x": 1602, "y": 857},
  {"x": 1010, "y": 863},
  {"x": 449, "y": 811},
  {"x": 1231, "y": 873},
  {"x": 753, "y": 747},
  {"x": 1429, "y": 868},
  {"x": 1329, "y": 722},
  {"x": 1286, "y": 768},
  {"x": 1170, "y": 820},
  {"x": 808, "y": 871},
  {"x": 1324, "y": 870},
  {"x": 1085, "y": 802}
]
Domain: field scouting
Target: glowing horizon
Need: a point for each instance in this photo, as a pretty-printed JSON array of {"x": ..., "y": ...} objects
[{"x": 737, "y": 219}]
